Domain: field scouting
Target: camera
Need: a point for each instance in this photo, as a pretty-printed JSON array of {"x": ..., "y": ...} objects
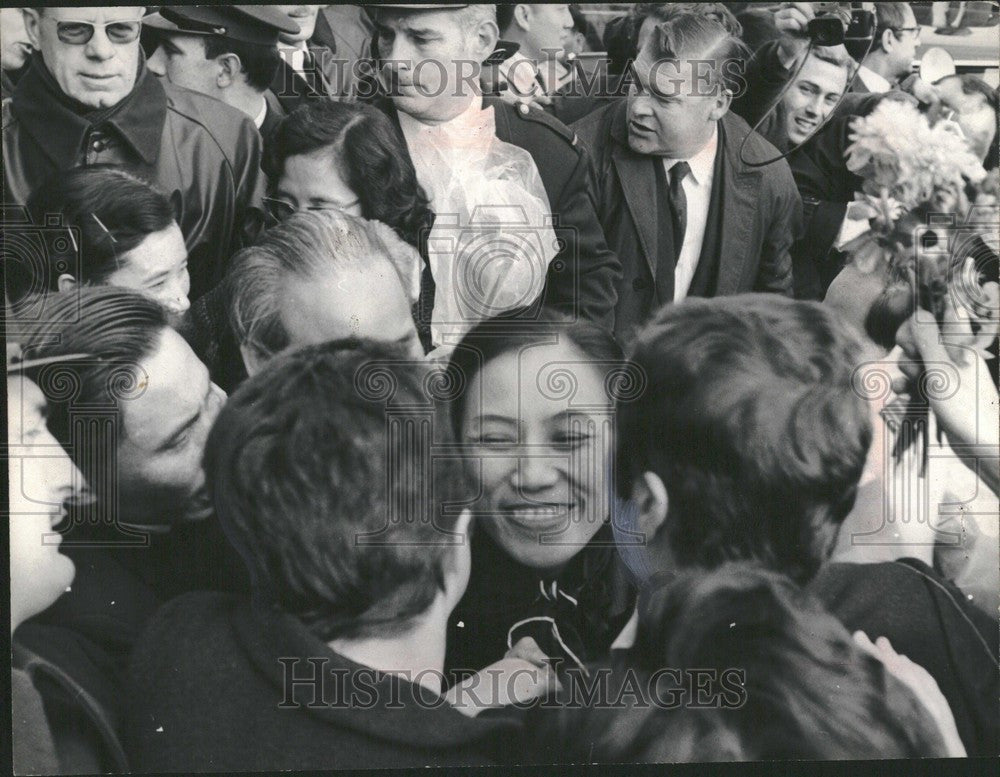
[
  {"x": 827, "y": 28},
  {"x": 34, "y": 256}
]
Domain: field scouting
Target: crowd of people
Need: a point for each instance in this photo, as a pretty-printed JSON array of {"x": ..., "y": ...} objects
[{"x": 406, "y": 385}]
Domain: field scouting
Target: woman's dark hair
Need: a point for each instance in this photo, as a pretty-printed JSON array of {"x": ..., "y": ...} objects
[
  {"x": 371, "y": 154},
  {"x": 515, "y": 330},
  {"x": 86, "y": 218},
  {"x": 785, "y": 679}
]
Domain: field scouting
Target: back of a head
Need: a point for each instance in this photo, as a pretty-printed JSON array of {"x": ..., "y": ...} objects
[
  {"x": 307, "y": 245},
  {"x": 786, "y": 679},
  {"x": 88, "y": 218},
  {"x": 116, "y": 329},
  {"x": 751, "y": 421},
  {"x": 260, "y": 63},
  {"x": 331, "y": 501}
]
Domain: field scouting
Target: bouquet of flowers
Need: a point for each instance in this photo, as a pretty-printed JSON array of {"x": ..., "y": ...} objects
[{"x": 933, "y": 222}]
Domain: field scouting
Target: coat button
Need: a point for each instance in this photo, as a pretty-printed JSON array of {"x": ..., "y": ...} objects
[
  {"x": 98, "y": 145},
  {"x": 639, "y": 284}
]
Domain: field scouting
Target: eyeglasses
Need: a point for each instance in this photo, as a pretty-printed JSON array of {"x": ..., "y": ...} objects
[
  {"x": 279, "y": 210},
  {"x": 80, "y": 33},
  {"x": 914, "y": 30}
]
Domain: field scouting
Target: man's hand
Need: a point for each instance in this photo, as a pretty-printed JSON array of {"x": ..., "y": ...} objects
[{"x": 521, "y": 676}]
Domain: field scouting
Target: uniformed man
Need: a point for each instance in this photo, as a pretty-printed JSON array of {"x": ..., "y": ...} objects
[
  {"x": 229, "y": 52},
  {"x": 445, "y": 37},
  {"x": 89, "y": 98}
]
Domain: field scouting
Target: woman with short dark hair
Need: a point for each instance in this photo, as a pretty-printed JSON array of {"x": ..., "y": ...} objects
[{"x": 101, "y": 226}]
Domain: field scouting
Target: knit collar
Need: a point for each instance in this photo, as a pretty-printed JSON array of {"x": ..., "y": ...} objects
[{"x": 60, "y": 124}]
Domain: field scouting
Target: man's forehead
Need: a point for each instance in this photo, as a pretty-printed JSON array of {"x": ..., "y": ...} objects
[
  {"x": 97, "y": 13},
  {"x": 672, "y": 77},
  {"x": 417, "y": 21}
]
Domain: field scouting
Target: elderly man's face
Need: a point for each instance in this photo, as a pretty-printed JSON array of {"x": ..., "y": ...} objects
[
  {"x": 421, "y": 51},
  {"x": 672, "y": 111},
  {"x": 364, "y": 303},
  {"x": 90, "y": 51},
  {"x": 15, "y": 46}
]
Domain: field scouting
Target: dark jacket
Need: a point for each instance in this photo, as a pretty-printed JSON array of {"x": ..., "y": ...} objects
[
  {"x": 275, "y": 113},
  {"x": 760, "y": 213},
  {"x": 590, "y": 601},
  {"x": 346, "y": 30},
  {"x": 820, "y": 170},
  {"x": 928, "y": 620},
  {"x": 210, "y": 689},
  {"x": 59, "y": 726},
  {"x": 205, "y": 156},
  {"x": 583, "y": 274}
]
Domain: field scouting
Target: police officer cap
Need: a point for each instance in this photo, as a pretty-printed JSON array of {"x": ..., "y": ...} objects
[{"x": 257, "y": 24}]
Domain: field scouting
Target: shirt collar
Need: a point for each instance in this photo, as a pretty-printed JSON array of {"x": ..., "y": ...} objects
[
  {"x": 702, "y": 164},
  {"x": 261, "y": 114},
  {"x": 873, "y": 80}
]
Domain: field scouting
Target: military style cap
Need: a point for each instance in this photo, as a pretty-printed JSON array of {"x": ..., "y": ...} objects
[{"x": 257, "y": 24}]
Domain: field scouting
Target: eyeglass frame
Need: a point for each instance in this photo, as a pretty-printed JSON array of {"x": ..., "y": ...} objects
[
  {"x": 268, "y": 208},
  {"x": 915, "y": 30},
  {"x": 93, "y": 29}
]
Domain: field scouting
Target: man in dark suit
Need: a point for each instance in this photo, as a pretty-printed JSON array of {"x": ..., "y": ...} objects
[
  {"x": 581, "y": 277},
  {"x": 309, "y": 68},
  {"x": 682, "y": 197},
  {"x": 229, "y": 52}
]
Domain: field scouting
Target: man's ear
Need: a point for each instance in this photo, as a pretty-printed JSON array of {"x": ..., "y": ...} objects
[
  {"x": 522, "y": 16},
  {"x": 228, "y": 70},
  {"x": 251, "y": 361},
  {"x": 722, "y": 102},
  {"x": 888, "y": 40},
  {"x": 650, "y": 496},
  {"x": 32, "y": 24},
  {"x": 485, "y": 39},
  {"x": 66, "y": 282}
]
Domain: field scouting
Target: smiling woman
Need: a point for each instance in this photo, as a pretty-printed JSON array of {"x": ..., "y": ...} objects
[
  {"x": 119, "y": 231},
  {"x": 535, "y": 419}
]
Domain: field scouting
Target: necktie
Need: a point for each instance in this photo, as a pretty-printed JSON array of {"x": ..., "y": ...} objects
[
  {"x": 678, "y": 204},
  {"x": 424, "y": 307}
]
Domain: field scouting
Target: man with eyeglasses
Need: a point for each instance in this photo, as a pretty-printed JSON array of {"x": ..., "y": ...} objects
[
  {"x": 89, "y": 98},
  {"x": 890, "y": 60}
]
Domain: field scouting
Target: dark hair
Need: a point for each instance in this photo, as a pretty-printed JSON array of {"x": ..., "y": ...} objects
[
  {"x": 805, "y": 689},
  {"x": 583, "y": 25},
  {"x": 370, "y": 152},
  {"x": 335, "y": 514},
  {"x": 888, "y": 16},
  {"x": 622, "y": 41},
  {"x": 106, "y": 213},
  {"x": 494, "y": 337},
  {"x": 693, "y": 33},
  {"x": 260, "y": 63},
  {"x": 116, "y": 329},
  {"x": 752, "y": 421}
]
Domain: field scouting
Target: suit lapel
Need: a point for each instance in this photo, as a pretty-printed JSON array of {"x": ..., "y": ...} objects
[
  {"x": 740, "y": 190},
  {"x": 638, "y": 182}
]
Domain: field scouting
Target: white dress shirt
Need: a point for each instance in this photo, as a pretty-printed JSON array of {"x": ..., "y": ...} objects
[
  {"x": 873, "y": 81},
  {"x": 261, "y": 114},
  {"x": 697, "y": 186}
]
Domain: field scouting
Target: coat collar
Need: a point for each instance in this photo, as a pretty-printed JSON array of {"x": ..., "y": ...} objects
[{"x": 60, "y": 131}]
